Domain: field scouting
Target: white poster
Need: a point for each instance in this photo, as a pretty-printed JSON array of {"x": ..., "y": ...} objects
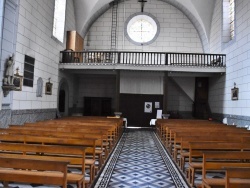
[
  {"x": 148, "y": 107},
  {"x": 157, "y": 104}
]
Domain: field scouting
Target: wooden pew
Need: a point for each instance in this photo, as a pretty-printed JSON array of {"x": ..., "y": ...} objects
[
  {"x": 83, "y": 122},
  {"x": 183, "y": 148},
  {"x": 196, "y": 150},
  {"x": 74, "y": 155},
  {"x": 89, "y": 127},
  {"x": 171, "y": 130},
  {"x": 237, "y": 177},
  {"x": 30, "y": 139},
  {"x": 83, "y": 128},
  {"x": 180, "y": 123},
  {"x": 175, "y": 142},
  {"x": 201, "y": 130},
  {"x": 67, "y": 132},
  {"x": 217, "y": 161},
  {"x": 15, "y": 170},
  {"x": 101, "y": 142}
]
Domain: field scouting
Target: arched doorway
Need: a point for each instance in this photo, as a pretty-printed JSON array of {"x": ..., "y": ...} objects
[
  {"x": 63, "y": 98},
  {"x": 62, "y": 101}
]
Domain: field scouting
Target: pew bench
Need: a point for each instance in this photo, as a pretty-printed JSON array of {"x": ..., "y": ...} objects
[
  {"x": 74, "y": 155},
  {"x": 88, "y": 144},
  {"x": 217, "y": 161},
  {"x": 181, "y": 151},
  {"x": 237, "y": 177},
  {"x": 39, "y": 171},
  {"x": 196, "y": 150}
]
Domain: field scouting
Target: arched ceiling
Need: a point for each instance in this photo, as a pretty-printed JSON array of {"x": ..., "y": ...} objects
[{"x": 198, "y": 11}]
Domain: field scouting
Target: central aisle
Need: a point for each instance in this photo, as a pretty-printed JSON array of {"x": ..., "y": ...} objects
[{"x": 140, "y": 161}]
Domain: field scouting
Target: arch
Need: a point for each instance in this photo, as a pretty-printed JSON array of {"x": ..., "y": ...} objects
[
  {"x": 198, "y": 26},
  {"x": 63, "y": 88}
]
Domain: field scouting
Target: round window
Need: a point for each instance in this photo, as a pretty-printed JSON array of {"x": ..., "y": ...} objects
[{"x": 141, "y": 28}]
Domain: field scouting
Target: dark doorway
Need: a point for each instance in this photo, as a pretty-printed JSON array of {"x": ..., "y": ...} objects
[
  {"x": 97, "y": 106},
  {"x": 132, "y": 108},
  {"x": 62, "y": 101},
  {"x": 201, "y": 107}
]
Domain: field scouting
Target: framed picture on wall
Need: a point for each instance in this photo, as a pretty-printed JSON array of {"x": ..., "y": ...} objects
[
  {"x": 18, "y": 82},
  {"x": 235, "y": 93},
  {"x": 48, "y": 88},
  {"x": 148, "y": 107}
]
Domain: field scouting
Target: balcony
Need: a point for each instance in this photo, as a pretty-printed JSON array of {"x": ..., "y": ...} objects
[{"x": 154, "y": 61}]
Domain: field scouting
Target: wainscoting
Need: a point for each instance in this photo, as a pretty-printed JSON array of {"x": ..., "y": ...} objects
[{"x": 19, "y": 117}]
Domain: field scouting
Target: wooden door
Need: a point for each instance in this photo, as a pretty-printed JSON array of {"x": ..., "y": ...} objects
[
  {"x": 201, "y": 108},
  {"x": 97, "y": 106}
]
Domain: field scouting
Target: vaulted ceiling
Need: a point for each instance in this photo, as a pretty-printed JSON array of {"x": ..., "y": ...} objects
[{"x": 198, "y": 11}]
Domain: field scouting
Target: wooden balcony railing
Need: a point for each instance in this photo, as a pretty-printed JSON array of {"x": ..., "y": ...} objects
[{"x": 144, "y": 58}]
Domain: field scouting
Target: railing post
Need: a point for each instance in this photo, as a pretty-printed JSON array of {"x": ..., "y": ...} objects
[
  {"x": 119, "y": 58},
  {"x": 166, "y": 59}
]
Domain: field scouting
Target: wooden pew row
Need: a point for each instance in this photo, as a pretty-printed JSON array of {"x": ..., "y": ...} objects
[
  {"x": 101, "y": 143},
  {"x": 217, "y": 161},
  {"x": 181, "y": 152},
  {"x": 194, "y": 129},
  {"x": 58, "y": 177},
  {"x": 177, "y": 134},
  {"x": 112, "y": 132},
  {"x": 181, "y": 126},
  {"x": 196, "y": 150},
  {"x": 33, "y": 155},
  {"x": 89, "y": 144},
  {"x": 181, "y": 139},
  {"x": 215, "y": 137},
  {"x": 118, "y": 122},
  {"x": 202, "y": 128},
  {"x": 237, "y": 177},
  {"x": 92, "y": 123},
  {"x": 162, "y": 124},
  {"x": 86, "y": 125}
]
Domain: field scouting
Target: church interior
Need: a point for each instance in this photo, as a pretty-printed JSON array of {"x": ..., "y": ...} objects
[{"x": 125, "y": 93}]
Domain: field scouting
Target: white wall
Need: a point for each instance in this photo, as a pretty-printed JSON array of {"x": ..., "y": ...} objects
[
  {"x": 187, "y": 84},
  {"x": 95, "y": 86},
  {"x": 34, "y": 38},
  {"x": 135, "y": 82},
  {"x": 177, "y": 99},
  {"x": 238, "y": 66},
  {"x": 177, "y": 34}
]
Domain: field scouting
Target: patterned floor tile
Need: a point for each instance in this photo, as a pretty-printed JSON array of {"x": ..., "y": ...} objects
[{"x": 140, "y": 162}]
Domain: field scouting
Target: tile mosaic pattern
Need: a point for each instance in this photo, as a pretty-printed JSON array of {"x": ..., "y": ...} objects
[{"x": 140, "y": 161}]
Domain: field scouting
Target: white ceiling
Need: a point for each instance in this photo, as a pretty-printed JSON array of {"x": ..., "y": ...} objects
[{"x": 202, "y": 10}]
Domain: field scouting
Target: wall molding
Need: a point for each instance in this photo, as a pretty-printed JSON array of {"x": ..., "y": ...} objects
[{"x": 240, "y": 121}]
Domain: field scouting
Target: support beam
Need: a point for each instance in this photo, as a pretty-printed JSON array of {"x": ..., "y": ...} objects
[
  {"x": 117, "y": 94},
  {"x": 165, "y": 93}
]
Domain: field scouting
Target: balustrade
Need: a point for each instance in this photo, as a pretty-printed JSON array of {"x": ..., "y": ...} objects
[{"x": 144, "y": 58}]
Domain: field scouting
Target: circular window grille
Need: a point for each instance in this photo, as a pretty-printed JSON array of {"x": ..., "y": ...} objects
[{"x": 141, "y": 28}]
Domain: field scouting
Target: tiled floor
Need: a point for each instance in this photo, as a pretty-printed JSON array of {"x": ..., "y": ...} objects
[{"x": 140, "y": 161}]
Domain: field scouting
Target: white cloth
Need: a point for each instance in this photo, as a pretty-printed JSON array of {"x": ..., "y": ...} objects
[
  {"x": 152, "y": 122},
  {"x": 126, "y": 122}
]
